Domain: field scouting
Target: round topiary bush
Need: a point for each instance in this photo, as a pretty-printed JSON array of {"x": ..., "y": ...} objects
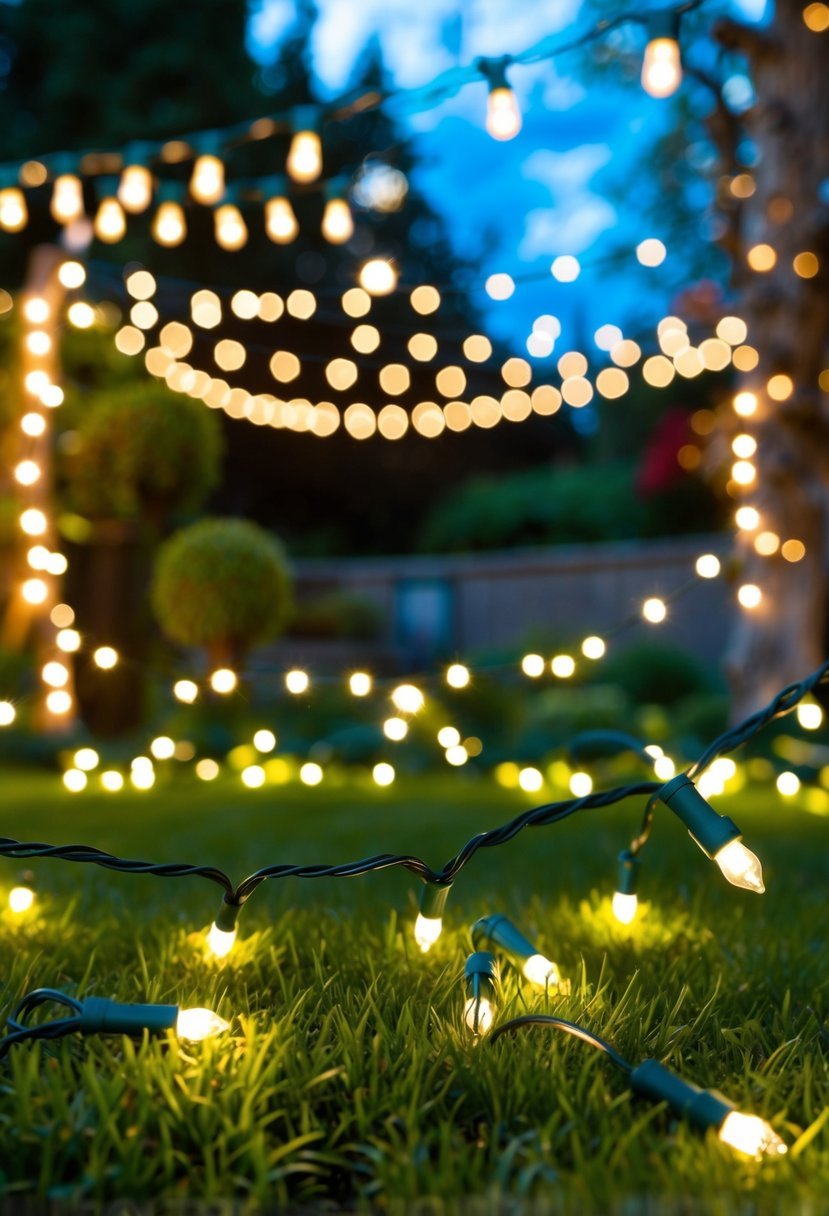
[
  {"x": 223, "y": 584},
  {"x": 143, "y": 451}
]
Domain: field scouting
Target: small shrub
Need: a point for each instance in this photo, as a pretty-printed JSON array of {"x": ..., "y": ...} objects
[
  {"x": 223, "y": 584},
  {"x": 656, "y": 674},
  {"x": 143, "y": 450}
]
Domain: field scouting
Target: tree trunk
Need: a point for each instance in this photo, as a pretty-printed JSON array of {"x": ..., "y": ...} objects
[{"x": 788, "y": 318}]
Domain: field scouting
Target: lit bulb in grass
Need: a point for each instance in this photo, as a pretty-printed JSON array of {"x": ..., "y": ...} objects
[
  {"x": 751, "y": 1135},
  {"x": 429, "y": 923},
  {"x": 480, "y": 983},
  {"x": 717, "y": 835},
  {"x": 706, "y": 1108},
  {"x": 222, "y": 933},
  {"x": 198, "y": 1024},
  {"x": 22, "y": 896},
  {"x": 501, "y": 932},
  {"x": 101, "y": 1016},
  {"x": 625, "y": 900}
]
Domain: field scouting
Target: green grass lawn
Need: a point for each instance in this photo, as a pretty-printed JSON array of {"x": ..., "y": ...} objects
[{"x": 348, "y": 1075}]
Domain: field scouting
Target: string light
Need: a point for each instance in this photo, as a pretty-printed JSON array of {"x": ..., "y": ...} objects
[
  {"x": 169, "y": 226},
  {"x": 625, "y": 899},
  {"x": 135, "y": 189},
  {"x": 337, "y": 221},
  {"x": 280, "y": 222},
  {"x": 431, "y": 906},
  {"x": 230, "y": 228},
  {"x": 378, "y": 277},
  {"x": 704, "y": 1108},
  {"x": 67, "y": 199},
  {"x": 480, "y": 983},
  {"x": 110, "y": 223},
  {"x": 304, "y": 163},
  {"x": 224, "y": 681},
  {"x": 501, "y": 932},
  {"x": 717, "y": 835},
  {"x": 207, "y": 183},
  {"x": 662, "y": 65},
  {"x": 503, "y": 117},
  {"x": 14, "y": 214}
]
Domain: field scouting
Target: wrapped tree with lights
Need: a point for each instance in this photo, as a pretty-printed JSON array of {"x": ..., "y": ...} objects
[{"x": 778, "y": 235}]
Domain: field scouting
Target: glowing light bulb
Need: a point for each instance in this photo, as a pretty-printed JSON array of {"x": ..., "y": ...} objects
[
  {"x": 661, "y": 67},
  {"x": 624, "y": 907},
  {"x": 135, "y": 189},
  {"x": 220, "y": 942},
  {"x": 304, "y": 162},
  {"x": 105, "y": 657},
  {"x": 740, "y": 866},
  {"x": 230, "y": 228},
  {"x": 383, "y": 773},
  {"x": 27, "y": 472},
  {"x": 280, "y": 222},
  {"x": 540, "y": 970},
  {"x": 533, "y": 665},
  {"x": 13, "y": 211},
  {"x": 378, "y": 277},
  {"x": 654, "y": 610},
  {"x": 67, "y": 199},
  {"x": 186, "y": 691},
  {"x": 337, "y": 221},
  {"x": 297, "y": 681},
  {"x": 223, "y": 680},
  {"x": 457, "y": 675},
  {"x": 110, "y": 222},
  {"x": 169, "y": 225},
  {"x": 86, "y": 758},
  {"x": 359, "y": 683},
  {"x": 21, "y": 899},
  {"x": 207, "y": 183},
  {"x": 33, "y": 522},
  {"x": 751, "y": 1135},
  {"x": 480, "y": 980},
  {"x": 427, "y": 930},
  {"x": 408, "y": 698},
  {"x": 34, "y": 591},
  {"x": 197, "y": 1024},
  {"x": 75, "y": 780},
  {"x": 7, "y": 713},
  {"x": 810, "y": 715},
  {"x": 478, "y": 1015},
  {"x": 593, "y": 647},
  {"x": 503, "y": 116},
  {"x": 71, "y": 275}
]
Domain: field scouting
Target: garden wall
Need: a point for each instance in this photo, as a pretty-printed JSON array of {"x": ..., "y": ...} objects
[{"x": 434, "y": 606}]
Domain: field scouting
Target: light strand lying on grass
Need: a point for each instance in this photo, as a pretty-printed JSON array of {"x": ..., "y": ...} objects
[
  {"x": 97, "y": 1015},
  {"x": 723, "y": 829},
  {"x": 702, "y": 1108}
]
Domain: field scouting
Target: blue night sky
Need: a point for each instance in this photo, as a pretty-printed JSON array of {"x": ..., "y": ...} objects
[{"x": 514, "y": 206}]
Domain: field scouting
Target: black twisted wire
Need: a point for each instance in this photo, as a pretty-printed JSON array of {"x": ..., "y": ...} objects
[
  {"x": 572, "y": 1028},
  {"x": 541, "y": 816}
]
